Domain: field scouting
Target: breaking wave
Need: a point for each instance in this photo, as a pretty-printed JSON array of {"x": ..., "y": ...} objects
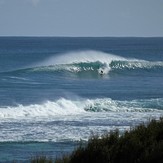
[
  {"x": 91, "y": 62},
  {"x": 99, "y": 67},
  {"x": 64, "y": 106},
  {"x": 94, "y": 62}
]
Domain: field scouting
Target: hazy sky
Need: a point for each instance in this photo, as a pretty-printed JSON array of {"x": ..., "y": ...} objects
[{"x": 81, "y": 17}]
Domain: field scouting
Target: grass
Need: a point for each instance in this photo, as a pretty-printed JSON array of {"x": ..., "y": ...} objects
[{"x": 142, "y": 144}]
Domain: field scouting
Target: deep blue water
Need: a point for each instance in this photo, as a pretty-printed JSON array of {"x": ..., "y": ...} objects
[{"x": 57, "y": 90}]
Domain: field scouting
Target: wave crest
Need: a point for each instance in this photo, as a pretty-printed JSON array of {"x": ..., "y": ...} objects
[
  {"x": 70, "y": 107},
  {"x": 91, "y": 62}
]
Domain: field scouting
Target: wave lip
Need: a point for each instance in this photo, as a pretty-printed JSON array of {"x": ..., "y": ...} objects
[{"x": 73, "y": 107}]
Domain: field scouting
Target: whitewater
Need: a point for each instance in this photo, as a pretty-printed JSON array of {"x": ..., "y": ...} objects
[
  {"x": 69, "y": 107},
  {"x": 55, "y": 92}
]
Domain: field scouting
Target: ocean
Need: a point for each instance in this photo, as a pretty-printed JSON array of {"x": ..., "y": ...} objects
[{"x": 58, "y": 91}]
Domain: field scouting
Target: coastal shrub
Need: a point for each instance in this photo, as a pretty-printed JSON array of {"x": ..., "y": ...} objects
[{"x": 142, "y": 144}]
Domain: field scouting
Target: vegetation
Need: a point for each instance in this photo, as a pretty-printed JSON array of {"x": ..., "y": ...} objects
[
  {"x": 142, "y": 144},
  {"x": 41, "y": 159}
]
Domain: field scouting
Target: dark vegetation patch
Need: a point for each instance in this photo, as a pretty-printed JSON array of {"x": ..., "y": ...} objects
[{"x": 142, "y": 144}]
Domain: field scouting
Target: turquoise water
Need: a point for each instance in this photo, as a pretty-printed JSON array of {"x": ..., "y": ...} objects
[{"x": 55, "y": 92}]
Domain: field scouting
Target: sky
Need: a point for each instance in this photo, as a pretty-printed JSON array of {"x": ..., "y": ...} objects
[{"x": 94, "y": 18}]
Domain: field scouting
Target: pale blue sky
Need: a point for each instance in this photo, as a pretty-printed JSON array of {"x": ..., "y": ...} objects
[{"x": 81, "y": 18}]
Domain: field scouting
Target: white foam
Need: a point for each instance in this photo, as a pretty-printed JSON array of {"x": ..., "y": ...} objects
[
  {"x": 70, "y": 128},
  {"x": 73, "y": 107},
  {"x": 67, "y": 120},
  {"x": 59, "y": 107},
  {"x": 109, "y": 105}
]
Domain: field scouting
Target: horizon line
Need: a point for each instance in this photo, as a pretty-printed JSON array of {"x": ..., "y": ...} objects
[{"x": 85, "y": 36}]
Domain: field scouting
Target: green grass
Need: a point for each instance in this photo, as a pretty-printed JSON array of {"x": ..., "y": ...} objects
[{"x": 142, "y": 144}]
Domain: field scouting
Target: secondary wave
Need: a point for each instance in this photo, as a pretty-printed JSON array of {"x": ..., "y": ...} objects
[{"x": 64, "y": 106}]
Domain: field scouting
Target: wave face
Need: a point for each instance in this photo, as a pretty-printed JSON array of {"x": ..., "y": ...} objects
[
  {"x": 72, "y": 107},
  {"x": 92, "y": 62}
]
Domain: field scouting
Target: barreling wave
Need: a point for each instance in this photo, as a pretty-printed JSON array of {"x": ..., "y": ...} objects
[
  {"x": 95, "y": 62},
  {"x": 64, "y": 106},
  {"x": 91, "y": 62},
  {"x": 98, "y": 66}
]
